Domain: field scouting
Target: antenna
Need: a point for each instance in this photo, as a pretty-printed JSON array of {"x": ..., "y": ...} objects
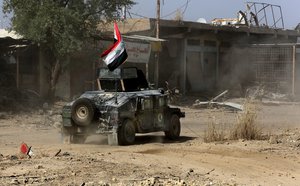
[{"x": 116, "y": 89}]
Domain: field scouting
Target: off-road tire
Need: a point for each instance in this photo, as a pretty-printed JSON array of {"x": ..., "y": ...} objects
[
  {"x": 126, "y": 133},
  {"x": 174, "y": 128},
  {"x": 82, "y": 112}
]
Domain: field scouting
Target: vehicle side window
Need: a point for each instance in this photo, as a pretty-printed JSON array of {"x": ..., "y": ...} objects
[
  {"x": 161, "y": 101},
  {"x": 148, "y": 103}
]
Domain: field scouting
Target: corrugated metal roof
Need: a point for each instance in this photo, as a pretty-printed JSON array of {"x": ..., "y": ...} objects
[{"x": 12, "y": 34}]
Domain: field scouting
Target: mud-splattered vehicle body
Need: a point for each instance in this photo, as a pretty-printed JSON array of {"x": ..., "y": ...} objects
[{"x": 123, "y": 106}]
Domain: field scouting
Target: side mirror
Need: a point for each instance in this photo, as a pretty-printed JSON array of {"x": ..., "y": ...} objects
[{"x": 161, "y": 90}]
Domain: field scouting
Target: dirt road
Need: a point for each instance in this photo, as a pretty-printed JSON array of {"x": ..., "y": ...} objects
[{"x": 154, "y": 160}]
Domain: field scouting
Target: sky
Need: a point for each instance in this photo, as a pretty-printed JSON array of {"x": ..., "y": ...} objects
[{"x": 208, "y": 9}]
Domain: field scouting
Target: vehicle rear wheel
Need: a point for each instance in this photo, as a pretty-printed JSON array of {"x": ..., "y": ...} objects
[
  {"x": 70, "y": 135},
  {"x": 66, "y": 133},
  {"x": 174, "y": 128},
  {"x": 126, "y": 133},
  {"x": 82, "y": 112}
]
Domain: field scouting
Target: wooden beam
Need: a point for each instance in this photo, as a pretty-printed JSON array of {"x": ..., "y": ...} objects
[
  {"x": 122, "y": 85},
  {"x": 99, "y": 84}
]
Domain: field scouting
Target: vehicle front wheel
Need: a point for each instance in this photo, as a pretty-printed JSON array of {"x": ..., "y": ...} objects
[
  {"x": 174, "y": 128},
  {"x": 126, "y": 133}
]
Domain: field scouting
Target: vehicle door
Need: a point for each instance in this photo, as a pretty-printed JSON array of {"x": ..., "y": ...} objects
[
  {"x": 158, "y": 111},
  {"x": 145, "y": 113}
]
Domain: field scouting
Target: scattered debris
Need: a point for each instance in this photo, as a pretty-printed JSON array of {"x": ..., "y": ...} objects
[
  {"x": 14, "y": 182},
  {"x": 260, "y": 92},
  {"x": 66, "y": 154},
  {"x": 39, "y": 167},
  {"x": 213, "y": 103},
  {"x": 256, "y": 14},
  {"x": 210, "y": 171},
  {"x": 230, "y": 105},
  {"x": 13, "y": 157},
  {"x": 288, "y": 138},
  {"x": 56, "y": 154},
  {"x": 219, "y": 96}
]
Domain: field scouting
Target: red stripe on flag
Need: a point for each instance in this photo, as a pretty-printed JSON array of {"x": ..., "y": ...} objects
[{"x": 119, "y": 38}]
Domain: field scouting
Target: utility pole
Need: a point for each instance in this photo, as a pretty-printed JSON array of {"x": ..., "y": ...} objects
[
  {"x": 156, "y": 72},
  {"x": 157, "y": 18}
]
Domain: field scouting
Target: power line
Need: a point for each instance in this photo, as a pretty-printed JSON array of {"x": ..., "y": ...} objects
[
  {"x": 137, "y": 21},
  {"x": 138, "y": 15},
  {"x": 185, "y": 5}
]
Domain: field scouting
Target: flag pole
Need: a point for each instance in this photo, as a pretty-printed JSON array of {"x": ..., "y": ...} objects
[{"x": 116, "y": 89}]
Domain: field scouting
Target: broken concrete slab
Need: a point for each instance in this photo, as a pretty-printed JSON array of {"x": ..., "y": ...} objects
[{"x": 229, "y": 105}]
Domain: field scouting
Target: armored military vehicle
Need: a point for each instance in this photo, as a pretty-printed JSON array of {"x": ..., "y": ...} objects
[{"x": 123, "y": 106}]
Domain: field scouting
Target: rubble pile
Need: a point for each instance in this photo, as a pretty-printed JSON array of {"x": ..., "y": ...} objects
[
  {"x": 263, "y": 94},
  {"x": 289, "y": 138}
]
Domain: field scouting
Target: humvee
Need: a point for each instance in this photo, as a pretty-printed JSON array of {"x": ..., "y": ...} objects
[{"x": 123, "y": 106}]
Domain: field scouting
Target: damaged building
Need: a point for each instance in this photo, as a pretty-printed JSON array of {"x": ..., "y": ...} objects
[
  {"x": 13, "y": 72},
  {"x": 199, "y": 57},
  {"x": 19, "y": 72},
  {"x": 196, "y": 57},
  {"x": 234, "y": 53}
]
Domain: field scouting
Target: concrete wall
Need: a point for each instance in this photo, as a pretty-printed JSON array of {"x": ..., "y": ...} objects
[
  {"x": 211, "y": 61},
  {"x": 27, "y": 75},
  {"x": 63, "y": 88}
]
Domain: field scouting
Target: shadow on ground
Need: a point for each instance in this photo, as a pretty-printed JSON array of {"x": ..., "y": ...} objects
[
  {"x": 140, "y": 139},
  {"x": 144, "y": 139}
]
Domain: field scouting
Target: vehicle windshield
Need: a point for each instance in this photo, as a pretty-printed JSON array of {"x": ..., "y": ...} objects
[
  {"x": 123, "y": 79},
  {"x": 104, "y": 73},
  {"x": 125, "y": 73}
]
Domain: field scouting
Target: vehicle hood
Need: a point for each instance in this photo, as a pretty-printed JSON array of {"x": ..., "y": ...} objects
[{"x": 115, "y": 99}]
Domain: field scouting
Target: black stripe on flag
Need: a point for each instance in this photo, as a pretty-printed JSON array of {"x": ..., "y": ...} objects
[{"x": 118, "y": 61}]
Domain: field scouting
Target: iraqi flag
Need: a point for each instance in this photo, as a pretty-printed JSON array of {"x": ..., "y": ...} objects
[{"x": 116, "y": 55}]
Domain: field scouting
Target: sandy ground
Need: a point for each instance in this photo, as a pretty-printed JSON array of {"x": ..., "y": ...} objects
[{"x": 154, "y": 160}]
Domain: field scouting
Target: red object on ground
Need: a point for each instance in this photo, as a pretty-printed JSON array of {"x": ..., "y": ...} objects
[{"x": 24, "y": 148}]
